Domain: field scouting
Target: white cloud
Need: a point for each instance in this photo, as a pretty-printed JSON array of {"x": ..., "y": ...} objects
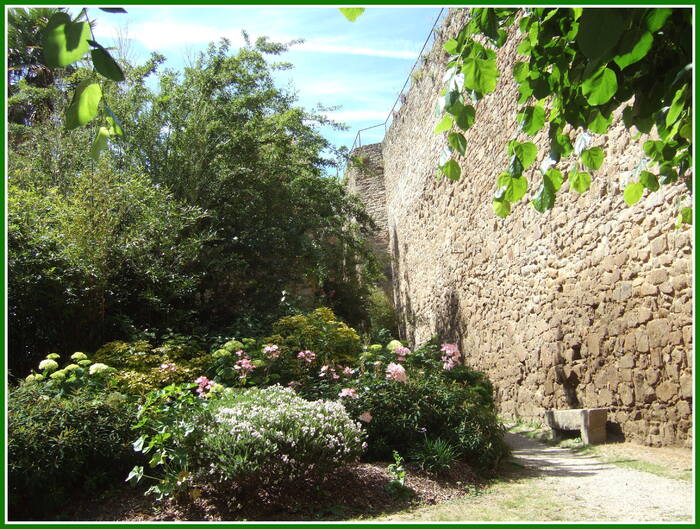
[
  {"x": 344, "y": 116},
  {"x": 323, "y": 47},
  {"x": 164, "y": 35}
]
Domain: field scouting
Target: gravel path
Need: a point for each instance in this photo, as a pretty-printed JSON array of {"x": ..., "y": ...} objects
[{"x": 602, "y": 491}]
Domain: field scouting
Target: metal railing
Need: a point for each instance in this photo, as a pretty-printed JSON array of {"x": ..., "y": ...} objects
[{"x": 400, "y": 96}]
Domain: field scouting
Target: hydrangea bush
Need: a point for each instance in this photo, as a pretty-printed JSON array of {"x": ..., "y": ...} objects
[{"x": 269, "y": 436}]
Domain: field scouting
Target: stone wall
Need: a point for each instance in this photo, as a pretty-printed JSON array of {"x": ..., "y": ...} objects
[
  {"x": 365, "y": 178},
  {"x": 587, "y": 305}
]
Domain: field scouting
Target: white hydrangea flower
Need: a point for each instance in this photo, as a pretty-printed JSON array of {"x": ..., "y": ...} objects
[
  {"x": 98, "y": 368},
  {"x": 48, "y": 365}
]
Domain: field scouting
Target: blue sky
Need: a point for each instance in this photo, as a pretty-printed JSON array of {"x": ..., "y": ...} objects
[{"x": 358, "y": 66}]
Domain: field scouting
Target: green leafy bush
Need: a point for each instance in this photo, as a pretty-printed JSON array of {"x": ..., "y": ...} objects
[
  {"x": 319, "y": 331},
  {"x": 169, "y": 424},
  {"x": 63, "y": 446},
  {"x": 402, "y": 411},
  {"x": 268, "y": 437},
  {"x": 381, "y": 315},
  {"x": 142, "y": 368}
]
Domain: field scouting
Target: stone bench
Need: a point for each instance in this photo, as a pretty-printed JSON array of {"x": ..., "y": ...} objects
[{"x": 590, "y": 421}]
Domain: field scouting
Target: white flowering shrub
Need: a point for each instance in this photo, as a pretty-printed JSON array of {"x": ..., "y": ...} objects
[{"x": 265, "y": 437}]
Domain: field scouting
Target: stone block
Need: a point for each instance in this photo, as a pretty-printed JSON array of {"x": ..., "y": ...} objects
[
  {"x": 656, "y": 277},
  {"x": 658, "y": 332},
  {"x": 686, "y": 386},
  {"x": 590, "y": 421},
  {"x": 667, "y": 391}
]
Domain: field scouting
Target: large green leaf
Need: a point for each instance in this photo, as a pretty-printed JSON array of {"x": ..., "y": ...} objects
[
  {"x": 556, "y": 178},
  {"x": 593, "y": 158},
  {"x": 521, "y": 70},
  {"x": 501, "y": 207},
  {"x": 480, "y": 74},
  {"x": 649, "y": 180},
  {"x": 656, "y": 18},
  {"x": 633, "y": 48},
  {"x": 351, "y": 13},
  {"x": 526, "y": 153},
  {"x": 597, "y": 122},
  {"x": 457, "y": 141},
  {"x": 544, "y": 199},
  {"x": 83, "y": 107},
  {"x": 105, "y": 64},
  {"x": 633, "y": 192},
  {"x": 100, "y": 143},
  {"x": 677, "y": 106},
  {"x": 115, "y": 126},
  {"x": 64, "y": 41},
  {"x": 465, "y": 118},
  {"x": 532, "y": 119},
  {"x": 579, "y": 181},
  {"x": 599, "y": 31},
  {"x": 515, "y": 188},
  {"x": 600, "y": 88},
  {"x": 445, "y": 124},
  {"x": 451, "y": 47},
  {"x": 451, "y": 170}
]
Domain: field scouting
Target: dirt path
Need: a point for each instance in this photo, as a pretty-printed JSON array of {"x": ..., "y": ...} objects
[
  {"x": 604, "y": 491},
  {"x": 548, "y": 483}
]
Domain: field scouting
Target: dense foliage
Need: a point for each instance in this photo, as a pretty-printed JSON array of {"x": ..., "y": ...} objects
[
  {"x": 581, "y": 65},
  {"x": 63, "y": 447},
  {"x": 210, "y": 208}
]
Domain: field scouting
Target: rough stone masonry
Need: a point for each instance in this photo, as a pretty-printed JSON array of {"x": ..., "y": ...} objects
[{"x": 586, "y": 306}]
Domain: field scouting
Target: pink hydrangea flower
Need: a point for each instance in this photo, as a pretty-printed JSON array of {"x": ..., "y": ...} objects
[
  {"x": 365, "y": 417},
  {"x": 204, "y": 385},
  {"x": 348, "y": 392},
  {"x": 272, "y": 351},
  {"x": 244, "y": 367},
  {"x": 308, "y": 356},
  {"x": 401, "y": 353},
  {"x": 348, "y": 371},
  {"x": 396, "y": 372},
  {"x": 168, "y": 367},
  {"x": 451, "y": 355}
]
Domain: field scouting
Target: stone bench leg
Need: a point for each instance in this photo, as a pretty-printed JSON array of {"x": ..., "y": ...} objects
[{"x": 593, "y": 426}]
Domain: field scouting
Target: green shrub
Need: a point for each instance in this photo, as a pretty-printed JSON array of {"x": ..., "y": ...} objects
[
  {"x": 381, "y": 315},
  {"x": 268, "y": 437},
  {"x": 169, "y": 424},
  {"x": 402, "y": 413},
  {"x": 62, "y": 446},
  {"x": 434, "y": 455},
  {"x": 142, "y": 368},
  {"x": 321, "y": 332}
]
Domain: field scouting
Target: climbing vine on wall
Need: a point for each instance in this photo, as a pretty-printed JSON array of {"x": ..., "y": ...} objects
[{"x": 579, "y": 65}]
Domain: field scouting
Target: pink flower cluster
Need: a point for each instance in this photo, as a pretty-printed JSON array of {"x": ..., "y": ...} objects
[
  {"x": 450, "y": 355},
  {"x": 272, "y": 351},
  {"x": 348, "y": 371},
  {"x": 348, "y": 392},
  {"x": 204, "y": 385},
  {"x": 396, "y": 372},
  {"x": 243, "y": 365},
  {"x": 401, "y": 353},
  {"x": 328, "y": 371},
  {"x": 308, "y": 356},
  {"x": 365, "y": 417},
  {"x": 168, "y": 367}
]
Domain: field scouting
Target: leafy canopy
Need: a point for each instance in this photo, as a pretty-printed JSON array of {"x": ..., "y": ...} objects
[{"x": 580, "y": 65}]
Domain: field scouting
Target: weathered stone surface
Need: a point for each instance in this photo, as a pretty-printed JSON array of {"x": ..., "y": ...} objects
[
  {"x": 591, "y": 279},
  {"x": 666, "y": 391}
]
